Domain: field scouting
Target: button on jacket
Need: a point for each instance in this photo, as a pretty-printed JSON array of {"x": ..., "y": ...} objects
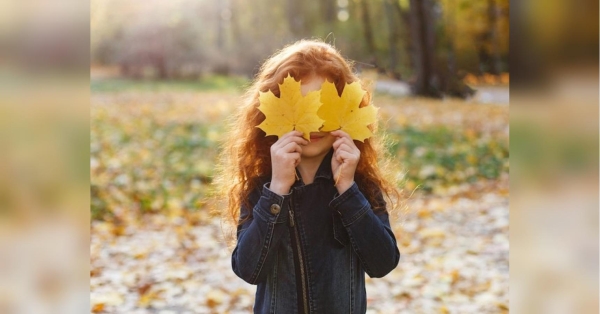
[{"x": 308, "y": 251}]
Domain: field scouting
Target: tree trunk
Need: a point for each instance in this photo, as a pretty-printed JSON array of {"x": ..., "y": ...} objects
[
  {"x": 295, "y": 18},
  {"x": 450, "y": 33},
  {"x": 393, "y": 37},
  {"x": 488, "y": 42},
  {"x": 423, "y": 38},
  {"x": 328, "y": 8},
  {"x": 161, "y": 66},
  {"x": 405, "y": 24},
  {"x": 221, "y": 6},
  {"x": 368, "y": 32},
  {"x": 235, "y": 23},
  {"x": 493, "y": 12},
  {"x": 433, "y": 77}
]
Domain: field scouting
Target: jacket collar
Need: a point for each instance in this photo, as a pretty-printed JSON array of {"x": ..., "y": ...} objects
[{"x": 324, "y": 170}]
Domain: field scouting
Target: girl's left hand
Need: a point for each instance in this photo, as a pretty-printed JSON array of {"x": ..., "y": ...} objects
[{"x": 344, "y": 161}]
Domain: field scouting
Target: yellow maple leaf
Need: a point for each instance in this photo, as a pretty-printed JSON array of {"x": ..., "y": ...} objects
[
  {"x": 291, "y": 111},
  {"x": 342, "y": 112}
]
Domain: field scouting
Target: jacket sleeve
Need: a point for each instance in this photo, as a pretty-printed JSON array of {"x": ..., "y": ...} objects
[
  {"x": 259, "y": 236},
  {"x": 370, "y": 233}
]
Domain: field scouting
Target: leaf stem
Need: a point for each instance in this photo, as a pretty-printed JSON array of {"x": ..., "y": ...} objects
[{"x": 339, "y": 174}]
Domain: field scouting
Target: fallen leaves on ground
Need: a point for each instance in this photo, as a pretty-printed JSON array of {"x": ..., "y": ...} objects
[
  {"x": 152, "y": 153},
  {"x": 454, "y": 259}
]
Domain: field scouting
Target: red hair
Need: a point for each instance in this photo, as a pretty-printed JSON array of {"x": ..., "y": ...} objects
[{"x": 246, "y": 157}]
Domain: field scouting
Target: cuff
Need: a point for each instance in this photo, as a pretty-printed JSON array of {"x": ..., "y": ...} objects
[
  {"x": 350, "y": 205},
  {"x": 272, "y": 207}
]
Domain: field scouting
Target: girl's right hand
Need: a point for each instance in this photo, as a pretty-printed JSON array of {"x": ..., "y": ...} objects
[{"x": 285, "y": 156}]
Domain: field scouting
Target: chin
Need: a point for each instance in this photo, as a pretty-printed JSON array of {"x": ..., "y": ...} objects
[
  {"x": 309, "y": 152},
  {"x": 313, "y": 151}
]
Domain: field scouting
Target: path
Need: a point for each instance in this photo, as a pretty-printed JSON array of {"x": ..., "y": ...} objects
[
  {"x": 484, "y": 94},
  {"x": 454, "y": 260}
]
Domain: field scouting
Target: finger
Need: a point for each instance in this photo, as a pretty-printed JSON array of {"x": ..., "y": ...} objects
[
  {"x": 296, "y": 157},
  {"x": 337, "y": 143},
  {"x": 346, "y": 152},
  {"x": 292, "y": 137},
  {"x": 338, "y": 156},
  {"x": 292, "y": 133},
  {"x": 345, "y": 147},
  {"x": 346, "y": 156},
  {"x": 343, "y": 140},
  {"x": 292, "y": 147},
  {"x": 341, "y": 134},
  {"x": 299, "y": 140},
  {"x": 287, "y": 135}
]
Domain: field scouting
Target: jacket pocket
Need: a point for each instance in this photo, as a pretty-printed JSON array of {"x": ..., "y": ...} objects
[{"x": 339, "y": 232}]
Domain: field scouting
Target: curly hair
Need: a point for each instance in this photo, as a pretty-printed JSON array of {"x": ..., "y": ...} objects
[{"x": 245, "y": 156}]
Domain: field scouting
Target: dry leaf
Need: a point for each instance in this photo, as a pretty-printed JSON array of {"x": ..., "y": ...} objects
[
  {"x": 455, "y": 275},
  {"x": 144, "y": 285},
  {"x": 98, "y": 307},
  {"x": 214, "y": 298},
  {"x": 291, "y": 111},
  {"x": 343, "y": 112},
  {"x": 112, "y": 298},
  {"x": 503, "y": 307},
  {"x": 424, "y": 213},
  {"x": 467, "y": 223},
  {"x": 147, "y": 298},
  {"x": 94, "y": 272},
  {"x": 432, "y": 233}
]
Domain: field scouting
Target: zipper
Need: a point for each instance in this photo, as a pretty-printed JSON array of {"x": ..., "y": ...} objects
[
  {"x": 300, "y": 262},
  {"x": 292, "y": 223}
]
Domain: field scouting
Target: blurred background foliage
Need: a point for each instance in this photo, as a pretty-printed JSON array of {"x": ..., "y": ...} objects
[
  {"x": 166, "y": 74},
  {"x": 155, "y": 151},
  {"x": 432, "y": 44}
]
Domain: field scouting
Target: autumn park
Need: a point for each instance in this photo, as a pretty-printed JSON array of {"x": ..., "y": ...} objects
[{"x": 166, "y": 78}]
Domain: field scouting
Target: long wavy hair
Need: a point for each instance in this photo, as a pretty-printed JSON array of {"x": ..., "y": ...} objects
[{"x": 245, "y": 156}]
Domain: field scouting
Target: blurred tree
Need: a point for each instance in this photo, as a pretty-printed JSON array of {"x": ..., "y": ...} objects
[
  {"x": 423, "y": 38},
  {"x": 295, "y": 18},
  {"x": 221, "y": 18},
  {"x": 328, "y": 9},
  {"x": 431, "y": 43},
  {"x": 487, "y": 42},
  {"x": 433, "y": 76},
  {"x": 368, "y": 32},
  {"x": 394, "y": 19}
]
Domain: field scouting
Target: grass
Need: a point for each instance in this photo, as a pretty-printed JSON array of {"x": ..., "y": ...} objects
[
  {"x": 145, "y": 164},
  {"x": 155, "y": 150},
  {"x": 215, "y": 82},
  {"x": 440, "y": 156}
]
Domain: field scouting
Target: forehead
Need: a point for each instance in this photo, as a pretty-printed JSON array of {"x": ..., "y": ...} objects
[{"x": 311, "y": 83}]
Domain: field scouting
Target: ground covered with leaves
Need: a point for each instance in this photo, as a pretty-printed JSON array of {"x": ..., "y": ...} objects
[{"x": 156, "y": 248}]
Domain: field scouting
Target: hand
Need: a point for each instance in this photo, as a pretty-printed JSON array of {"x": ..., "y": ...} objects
[
  {"x": 344, "y": 161},
  {"x": 285, "y": 156}
]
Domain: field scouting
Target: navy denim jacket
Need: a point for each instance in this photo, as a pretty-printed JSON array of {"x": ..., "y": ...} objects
[{"x": 308, "y": 251}]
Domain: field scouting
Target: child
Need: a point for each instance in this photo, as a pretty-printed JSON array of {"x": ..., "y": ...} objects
[{"x": 304, "y": 239}]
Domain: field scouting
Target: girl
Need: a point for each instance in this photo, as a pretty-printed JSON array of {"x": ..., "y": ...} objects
[{"x": 303, "y": 239}]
